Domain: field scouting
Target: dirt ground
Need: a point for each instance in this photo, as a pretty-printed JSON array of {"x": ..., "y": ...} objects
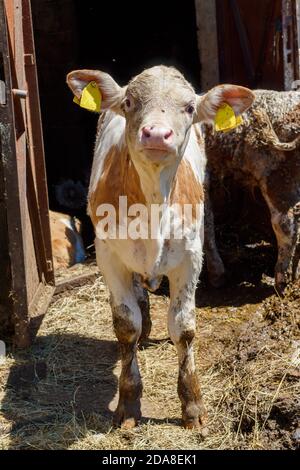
[{"x": 61, "y": 393}]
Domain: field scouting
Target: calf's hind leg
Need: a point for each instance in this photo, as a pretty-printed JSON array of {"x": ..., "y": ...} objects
[
  {"x": 286, "y": 225},
  {"x": 143, "y": 300},
  {"x": 181, "y": 323},
  {"x": 215, "y": 265},
  {"x": 127, "y": 321}
]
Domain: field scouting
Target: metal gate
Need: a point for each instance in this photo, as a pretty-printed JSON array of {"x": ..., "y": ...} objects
[{"x": 26, "y": 276}]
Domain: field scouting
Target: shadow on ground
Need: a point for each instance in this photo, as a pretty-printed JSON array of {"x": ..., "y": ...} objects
[
  {"x": 61, "y": 378},
  {"x": 62, "y": 382},
  {"x": 249, "y": 273}
]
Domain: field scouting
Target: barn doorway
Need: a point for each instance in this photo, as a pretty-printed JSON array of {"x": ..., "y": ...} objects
[{"x": 121, "y": 39}]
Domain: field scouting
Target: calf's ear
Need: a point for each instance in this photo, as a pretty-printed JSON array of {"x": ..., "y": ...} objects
[
  {"x": 112, "y": 94},
  {"x": 238, "y": 97}
]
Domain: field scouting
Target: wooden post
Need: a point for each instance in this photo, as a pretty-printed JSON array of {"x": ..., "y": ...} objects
[
  {"x": 290, "y": 32},
  {"x": 207, "y": 42}
]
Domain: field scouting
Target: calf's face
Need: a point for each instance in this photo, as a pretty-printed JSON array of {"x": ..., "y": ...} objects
[{"x": 159, "y": 106}]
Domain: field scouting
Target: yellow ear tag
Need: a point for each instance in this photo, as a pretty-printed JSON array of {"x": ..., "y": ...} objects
[
  {"x": 91, "y": 98},
  {"x": 226, "y": 120}
]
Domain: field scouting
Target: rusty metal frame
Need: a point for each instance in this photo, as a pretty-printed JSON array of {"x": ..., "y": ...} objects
[
  {"x": 23, "y": 168},
  {"x": 13, "y": 204},
  {"x": 36, "y": 147}
]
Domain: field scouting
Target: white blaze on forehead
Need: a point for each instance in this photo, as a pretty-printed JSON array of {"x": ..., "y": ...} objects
[{"x": 160, "y": 81}]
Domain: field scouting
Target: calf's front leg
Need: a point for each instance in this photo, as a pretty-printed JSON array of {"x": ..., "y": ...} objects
[
  {"x": 182, "y": 326},
  {"x": 127, "y": 325},
  {"x": 127, "y": 321}
]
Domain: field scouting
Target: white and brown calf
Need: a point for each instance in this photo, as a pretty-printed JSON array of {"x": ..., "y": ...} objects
[
  {"x": 66, "y": 240},
  {"x": 148, "y": 150},
  {"x": 264, "y": 152}
]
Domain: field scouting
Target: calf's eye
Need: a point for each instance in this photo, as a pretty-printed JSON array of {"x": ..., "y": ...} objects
[
  {"x": 190, "y": 109},
  {"x": 127, "y": 104}
]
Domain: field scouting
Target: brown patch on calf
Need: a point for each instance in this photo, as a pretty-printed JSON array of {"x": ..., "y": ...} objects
[
  {"x": 62, "y": 253},
  {"x": 123, "y": 326},
  {"x": 187, "y": 337},
  {"x": 188, "y": 388},
  {"x": 187, "y": 189},
  {"x": 119, "y": 178},
  {"x": 193, "y": 410},
  {"x": 128, "y": 411}
]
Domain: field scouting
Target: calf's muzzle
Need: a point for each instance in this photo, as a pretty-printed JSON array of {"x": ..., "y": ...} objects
[{"x": 157, "y": 138}]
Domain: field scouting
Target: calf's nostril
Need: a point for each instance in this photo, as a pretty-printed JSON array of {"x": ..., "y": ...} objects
[
  {"x": 168, "y": 134},
  {"x": 146, "y": 132}
]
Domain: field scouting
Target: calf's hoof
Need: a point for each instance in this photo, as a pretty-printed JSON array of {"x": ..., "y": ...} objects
[
  {"x": 195, "y": 417},
  {"x": 196, "y": 425},
  {"x": 127, "y": 415}
]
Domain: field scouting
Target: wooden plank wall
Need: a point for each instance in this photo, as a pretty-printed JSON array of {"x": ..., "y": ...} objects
[{"x": 262, "y": 20}]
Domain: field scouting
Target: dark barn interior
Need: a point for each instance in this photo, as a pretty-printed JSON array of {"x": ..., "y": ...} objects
[
  {"x": 120, "y": 39},
  {"x": 250, "y": 43}
]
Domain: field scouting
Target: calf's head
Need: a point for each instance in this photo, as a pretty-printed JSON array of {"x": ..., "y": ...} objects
[{"x": 159, "y": 106}]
